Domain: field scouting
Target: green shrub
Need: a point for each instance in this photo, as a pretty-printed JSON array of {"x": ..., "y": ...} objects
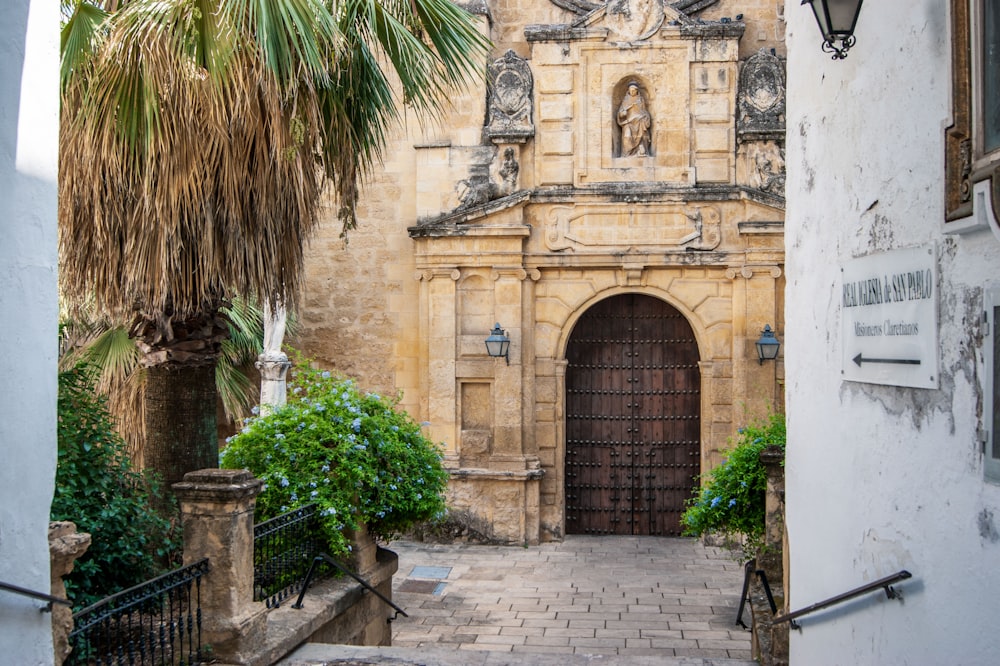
[
  {"x": 354, "y": 454},
  {"x": 97, "y": 489},
  {"x": 732, "y": 496}
]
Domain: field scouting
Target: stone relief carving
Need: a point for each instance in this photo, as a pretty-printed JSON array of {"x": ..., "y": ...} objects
[
  {"x": 766, "y": 167},
  {"x": 635, "y": 20},
  {"x": 511, "y": 87},
  {"x": 508, "y": 172},
  {"x": 479, "y": 188},
  {"x": 761, "y": 98},
  {"x": 707, "y": 232},
  {"x": 634, "y": 123},
  {"x": 603, "y": 229},
  {"x": 475, "y": 190}
]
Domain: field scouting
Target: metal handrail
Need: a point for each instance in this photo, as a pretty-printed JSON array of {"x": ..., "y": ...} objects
[
  {"x": 47, "y": 608},
  {"x": 884, "y": 583},
  {"x": 365, "y": 584}
]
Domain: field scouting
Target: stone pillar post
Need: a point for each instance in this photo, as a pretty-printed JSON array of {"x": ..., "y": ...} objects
[
  {"x": 66, "y": 546},
  {"x": 773, "y": 638},
  {"x": 217, "y": 515}
]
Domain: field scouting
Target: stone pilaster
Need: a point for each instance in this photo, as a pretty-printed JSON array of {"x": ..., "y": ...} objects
[
  {"x": 66, "y": 546},
  {"x": 217, "y": 508}
]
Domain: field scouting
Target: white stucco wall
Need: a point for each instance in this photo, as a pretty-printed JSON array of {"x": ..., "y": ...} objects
[
  {"x": 881, "y": 478},
  {"x": 29, "y": 52}
]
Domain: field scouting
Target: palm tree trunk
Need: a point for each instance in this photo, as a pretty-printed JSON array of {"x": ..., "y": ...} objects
[{"x": 180, "y": 420}]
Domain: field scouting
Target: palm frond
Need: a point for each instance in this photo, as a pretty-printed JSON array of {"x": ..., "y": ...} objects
[{"x": 77, "y": 37}]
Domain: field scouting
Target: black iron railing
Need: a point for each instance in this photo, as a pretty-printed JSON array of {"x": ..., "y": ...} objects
[
  {"x": 41, "y": 596},
  {"x": 156, "y": 623},
  {"x": 283, "y": 551},
  {"x": 323, "y": 557},
  {"x": 881, "y": 583}
]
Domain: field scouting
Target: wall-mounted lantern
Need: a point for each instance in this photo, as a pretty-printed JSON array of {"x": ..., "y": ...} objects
[
  {"x": 836, "y": 19},
  {"x": 767, "y": 346},
  {"x": 498, "y": 344}
]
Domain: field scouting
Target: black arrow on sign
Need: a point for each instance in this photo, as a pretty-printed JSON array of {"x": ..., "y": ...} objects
[{"x": 859, "y": 359}]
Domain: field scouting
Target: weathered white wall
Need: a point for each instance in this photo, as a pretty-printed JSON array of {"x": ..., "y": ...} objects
[
  {"x": 29, "y": 52},
  {"x": 881, "y": 478}
]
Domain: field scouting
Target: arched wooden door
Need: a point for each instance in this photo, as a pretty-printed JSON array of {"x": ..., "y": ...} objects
[{"x": 633, "y": 418}]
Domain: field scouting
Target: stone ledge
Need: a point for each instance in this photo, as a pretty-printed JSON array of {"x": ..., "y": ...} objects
[{"x": 326, "y": 603}]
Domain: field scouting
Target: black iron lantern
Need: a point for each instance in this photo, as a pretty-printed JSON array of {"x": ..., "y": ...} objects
[
  {"x": 836, "y": 19},
  {"x": 767, "y": 346},
  {"x": 498, "y": 344}
]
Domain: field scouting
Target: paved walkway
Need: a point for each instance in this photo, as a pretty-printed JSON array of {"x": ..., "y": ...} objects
[
  {"x": 611, "y": 601},
  {"x": 629, "y": 596}
]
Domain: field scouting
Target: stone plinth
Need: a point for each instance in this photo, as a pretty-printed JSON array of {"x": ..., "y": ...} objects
[{"x": 217, "y": 507}]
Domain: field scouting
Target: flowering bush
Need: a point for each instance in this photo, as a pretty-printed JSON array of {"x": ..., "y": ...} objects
[
  {"x": 354, "y": 454},
  {"x": 731, "y": 500}
]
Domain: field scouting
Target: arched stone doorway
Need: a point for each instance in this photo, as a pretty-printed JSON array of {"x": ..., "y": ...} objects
[{"x": 633, "y": 418}]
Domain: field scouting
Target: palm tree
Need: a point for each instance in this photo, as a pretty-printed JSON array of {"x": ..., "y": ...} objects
[{"x": 196, "y": 136}]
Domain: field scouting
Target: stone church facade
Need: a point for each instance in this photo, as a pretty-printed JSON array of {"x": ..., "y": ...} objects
[{"x": 613, "y": 197}]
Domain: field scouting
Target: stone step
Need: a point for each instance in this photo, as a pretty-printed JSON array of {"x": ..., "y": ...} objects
[{"x": 320, "y": 654}]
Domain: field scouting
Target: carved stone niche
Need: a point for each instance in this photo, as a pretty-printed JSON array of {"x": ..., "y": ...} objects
[
  {"x": 511, "y": 87},
  {"x": 761, "y": 98}
]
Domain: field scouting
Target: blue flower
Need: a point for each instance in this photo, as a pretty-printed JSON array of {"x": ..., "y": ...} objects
[
  {"x": 325, "y": 468},
  {"x": 325, "y": 374},
  {"x": 356, "y": 425},
  {"x": 280, "y": 435},
  {"x": 255, "y": 410},
  {"x": 732, "y": 502},
  {"x": 320, "y": 407},
  {"x": 715, "y": 501},
  {"x": 284, "y": 482}
]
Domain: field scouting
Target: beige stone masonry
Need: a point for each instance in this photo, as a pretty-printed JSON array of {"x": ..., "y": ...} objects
[{"x": 217, "y": 508}]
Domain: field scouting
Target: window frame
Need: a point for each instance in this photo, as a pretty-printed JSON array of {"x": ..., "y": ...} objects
[{"x": 983, "y": 161}]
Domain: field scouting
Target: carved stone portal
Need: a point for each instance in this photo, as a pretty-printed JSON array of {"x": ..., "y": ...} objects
[{"x": 511, "y": 87}]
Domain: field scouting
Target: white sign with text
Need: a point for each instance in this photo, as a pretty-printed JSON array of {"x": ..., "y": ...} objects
[{"x": 889, "y": 312}]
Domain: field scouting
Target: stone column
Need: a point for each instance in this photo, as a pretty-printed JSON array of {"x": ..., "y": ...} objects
[
  {"x": 66, "y": 546},
  {"x": 273, "y": 367},
  {"x": 217, "y": 515}
]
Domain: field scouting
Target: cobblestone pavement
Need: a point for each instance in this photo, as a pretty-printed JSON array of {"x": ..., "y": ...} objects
[{"x": 639, "y": 597}]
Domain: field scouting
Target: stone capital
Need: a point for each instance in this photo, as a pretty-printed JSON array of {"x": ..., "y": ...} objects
[{"x": 223, "y": 486}]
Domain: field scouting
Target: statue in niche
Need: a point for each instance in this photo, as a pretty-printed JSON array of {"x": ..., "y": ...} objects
[
  {"x": 508, "y": 171},
  {"x": 635, "y": 123}
]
